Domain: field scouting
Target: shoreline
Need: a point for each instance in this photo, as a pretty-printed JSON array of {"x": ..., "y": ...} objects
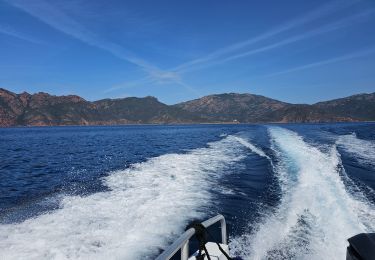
[{"x": 182, "y": 124}]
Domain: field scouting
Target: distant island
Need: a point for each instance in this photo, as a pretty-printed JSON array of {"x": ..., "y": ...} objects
[{"x": 43, "y": 109}]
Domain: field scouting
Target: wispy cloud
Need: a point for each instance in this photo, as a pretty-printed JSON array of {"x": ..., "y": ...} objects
[
  {"x": 131, "y": 84},
  {"x": 350, "y": 56},
  {"x": 13, "y": 33},
  {"x": 57, "y": 19},
  {"x": 306, "y": 35},
  {"x": 211, "y": 59},
  {"x": 62, "y": 22},
  {"x": 230, "y": 52}
]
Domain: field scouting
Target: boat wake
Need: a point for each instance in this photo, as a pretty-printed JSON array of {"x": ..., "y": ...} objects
[
  {"x": 147, "y": 205},
  {"x": 150, "y": 203},
  {"x": 363, "y": 150},
  {"x": 252, "y": 147},
  {"x": 317, "y": 212}
]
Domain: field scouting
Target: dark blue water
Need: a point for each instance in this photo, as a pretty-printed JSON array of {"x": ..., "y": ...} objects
[{"x": 128, "y": 191}]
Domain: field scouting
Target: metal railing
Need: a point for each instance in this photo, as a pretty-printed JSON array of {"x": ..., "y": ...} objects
[{"x": 183, "y": 241}]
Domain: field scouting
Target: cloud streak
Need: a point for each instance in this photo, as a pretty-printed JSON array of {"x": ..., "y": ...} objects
[
  {"x": 225, "y": 54},
  {"x": 57, "y": 19},
  {"x": 60, "y": 21},
  {"x": 351, "y": 56},
  {"x": 13, "y": 33},
  {"x": 324, "y": 29},
  {"x": 320, "y": 12}
]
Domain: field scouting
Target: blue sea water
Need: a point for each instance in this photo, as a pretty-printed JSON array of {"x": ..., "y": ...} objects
[{"x": 290, "y": 191}]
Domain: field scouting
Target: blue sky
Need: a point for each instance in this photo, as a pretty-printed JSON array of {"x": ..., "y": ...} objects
[{"x": 291, "y": 50}]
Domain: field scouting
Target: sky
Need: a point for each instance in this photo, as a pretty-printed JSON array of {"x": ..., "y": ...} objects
[{"x": 291, "y": 50}]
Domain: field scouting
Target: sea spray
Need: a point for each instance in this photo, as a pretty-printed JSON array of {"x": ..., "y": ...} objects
[
  {"x": 362, "y": 150},
  {"x": 147, "y": 205},
  {"x": 316, "y": 213}
]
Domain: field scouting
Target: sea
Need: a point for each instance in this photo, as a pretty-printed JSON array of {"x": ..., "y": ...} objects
[{"x": 287, "y": 191}]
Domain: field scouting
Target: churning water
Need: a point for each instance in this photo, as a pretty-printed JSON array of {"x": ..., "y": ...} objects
[{"x": 287, "y": 191}]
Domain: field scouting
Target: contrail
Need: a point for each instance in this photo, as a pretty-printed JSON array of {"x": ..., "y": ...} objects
[
  {"x": 368, "y": 51},
  {"x": 322, "y": 11},
  {"x": 11, "y": 32},
  {"x": 325, "y": 29},
  {"x": 60, "y": 21}
]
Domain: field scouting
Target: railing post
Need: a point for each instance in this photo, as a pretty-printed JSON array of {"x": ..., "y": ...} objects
[
  {"x": 223, "y": 231},
  {"x": 185, "y": 251},
  {"x": 182, "y": 243}
]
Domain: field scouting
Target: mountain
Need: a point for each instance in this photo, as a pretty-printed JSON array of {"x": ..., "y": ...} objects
[
  {"x": 231, "y": 107},
  {"x": 43, "y": 109},
  {"x": 143, "y": 111},
  {"x": 359, "y": 107},
  {"x": 248, "y": 108}
]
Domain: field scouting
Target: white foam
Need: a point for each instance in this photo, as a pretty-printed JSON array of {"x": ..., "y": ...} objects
[
  {"x": 146, "y": 206},
  {"x": 362, "y": 150},
  {"x": 252, "y": 147},
  {"x": 316, "y": 213}
]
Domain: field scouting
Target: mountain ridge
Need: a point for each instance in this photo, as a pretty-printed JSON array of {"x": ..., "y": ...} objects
[{"x": 43, "y": 109}]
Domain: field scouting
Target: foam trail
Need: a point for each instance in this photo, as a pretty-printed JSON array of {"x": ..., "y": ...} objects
[
  {"x": 316, "y": 213},
  {"x": 146, "y": 206},
  {"x": 252, "y": 147},
  {"x": 363, "y": 150}
]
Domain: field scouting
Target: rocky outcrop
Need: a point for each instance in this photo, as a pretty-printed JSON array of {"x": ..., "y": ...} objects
[
  {"x": 248, "y": 108},
  {"x": 42, "y": 109},
  {"x": 358, "y": 107},
  {"x": 234, "y": 107},
  {"x": 143, "y": 111}
]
